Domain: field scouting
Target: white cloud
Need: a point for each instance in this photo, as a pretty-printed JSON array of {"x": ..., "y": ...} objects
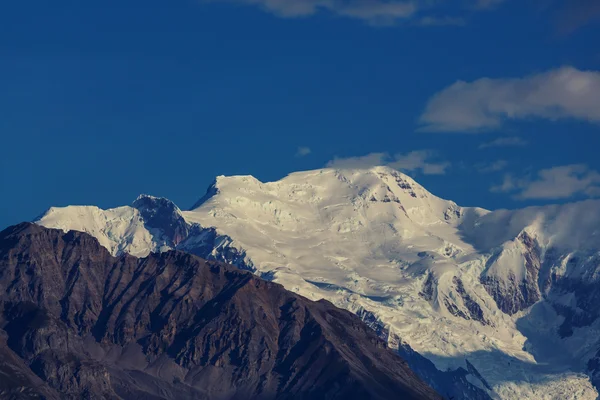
[
  {"x": 415, "y": 161},
  {"x": 419, "y": 161},
  {"x": 486, "y": 103},
  {"x": 303, "y": 151},
  {"x": 372, "y": 11},
  {"x": 508, "y": 185},
  {"x": 504, "y": 142},
  {"x": 553, "y": 183}
]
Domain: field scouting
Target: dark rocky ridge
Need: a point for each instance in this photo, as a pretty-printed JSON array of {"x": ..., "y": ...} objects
[
  {"x": 207, "y": 243},
  {"x": 79, "y": 323},
  {"x": 163, "y": 215},
  {"x": 513, "y": 296},
  {"x": 475, "y": 311}
]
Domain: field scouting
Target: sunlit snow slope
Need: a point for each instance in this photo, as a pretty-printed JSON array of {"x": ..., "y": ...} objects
[{"x": 507, "y": 295}]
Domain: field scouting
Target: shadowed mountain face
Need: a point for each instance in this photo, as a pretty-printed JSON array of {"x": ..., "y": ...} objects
[{"x": 77, "y": 322}]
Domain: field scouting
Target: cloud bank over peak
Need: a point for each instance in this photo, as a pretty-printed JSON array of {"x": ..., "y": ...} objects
[
  {"x": 485, "y": 104},
  {"x": 423, "y": 161},
  {"x": 554, "y": 183}
]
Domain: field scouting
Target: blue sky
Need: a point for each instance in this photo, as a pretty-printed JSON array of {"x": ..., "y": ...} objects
[{"x": 489, "y": 103}]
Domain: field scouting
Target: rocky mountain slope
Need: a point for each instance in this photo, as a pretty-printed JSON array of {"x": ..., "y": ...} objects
[
  {"x": 501, "y": 303},
  {"x": 77, "y": 322}
]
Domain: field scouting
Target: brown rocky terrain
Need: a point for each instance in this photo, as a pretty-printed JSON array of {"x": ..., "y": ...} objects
[{"x": 78, "y": 323}]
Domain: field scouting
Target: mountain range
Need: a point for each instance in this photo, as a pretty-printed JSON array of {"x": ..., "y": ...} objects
[{"x": 481, "y": 304}]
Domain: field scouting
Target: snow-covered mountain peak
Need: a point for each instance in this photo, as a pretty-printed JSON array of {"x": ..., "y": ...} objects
[
  {"x": 363, "y": 217},
  {"x": 512, "y": 292},
  {"x": 326, "y": 188},
  {"x": 150, "y": 224},
  {"x": 118, "y": 229},
  {"x": 223, "y": 181}
]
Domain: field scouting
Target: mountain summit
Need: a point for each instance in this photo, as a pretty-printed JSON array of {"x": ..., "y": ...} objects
[{"x": 505, "y": 298}]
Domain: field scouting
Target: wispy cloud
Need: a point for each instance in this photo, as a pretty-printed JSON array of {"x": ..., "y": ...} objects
[
  {"x": 577, "y": 13},
  {"x": 371, "y": 10},
  {"x": 423, "y": 161},
  {"x": 303, "y": 151},
  {"x": 512, "y": 141},
  {"x": 376, "y": 12},
  {"x": 494, "y": 166},
  {"x": 358, "y": 162},
  {"x": 441, "y": 21},
  {"x": 486, "y": 104},
  {"x": 561, "y": 182},
  {"x": 487, "y": 3}
]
